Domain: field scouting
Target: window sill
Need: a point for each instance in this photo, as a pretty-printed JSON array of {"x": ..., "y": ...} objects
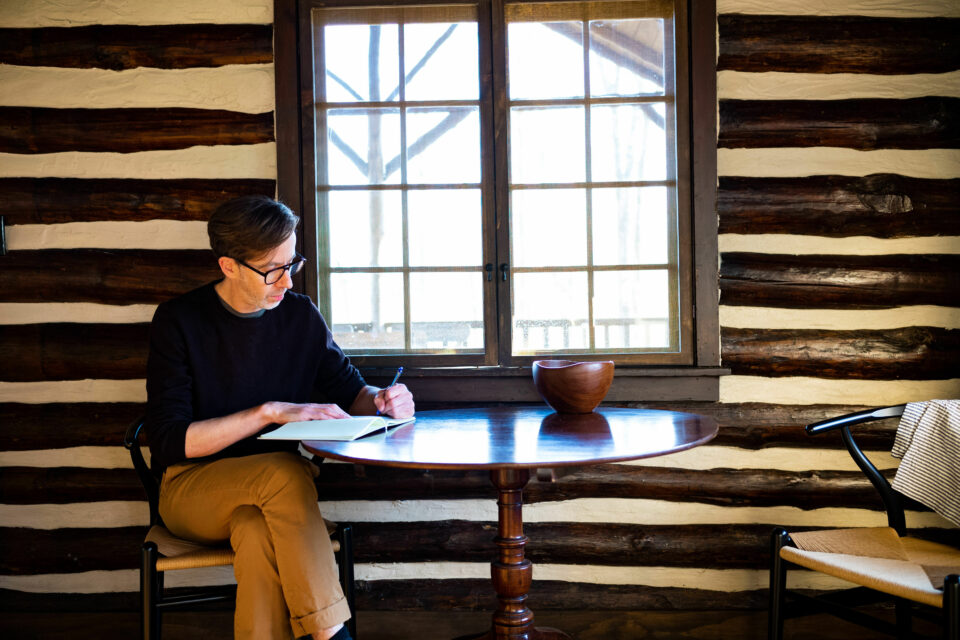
[{"x": 515, "y": 384}]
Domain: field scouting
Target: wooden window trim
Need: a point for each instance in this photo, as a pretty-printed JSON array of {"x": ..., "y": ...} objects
[{"x": 700, "y": 381}]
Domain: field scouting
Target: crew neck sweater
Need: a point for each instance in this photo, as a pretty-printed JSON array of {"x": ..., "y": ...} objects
[{"x": 206, "y": 362}]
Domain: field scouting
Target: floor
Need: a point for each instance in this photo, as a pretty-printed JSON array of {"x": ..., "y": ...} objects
[{"x": 412, "y": 625}]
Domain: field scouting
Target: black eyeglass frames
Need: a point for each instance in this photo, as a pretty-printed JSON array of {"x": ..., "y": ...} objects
[{"x": 273, "y": 275}]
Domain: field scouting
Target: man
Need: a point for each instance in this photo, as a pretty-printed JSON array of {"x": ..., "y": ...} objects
[{"x": 227, "y": 361}]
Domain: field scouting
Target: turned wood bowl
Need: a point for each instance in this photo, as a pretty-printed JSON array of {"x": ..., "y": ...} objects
[{"x": 572, "y": 387}]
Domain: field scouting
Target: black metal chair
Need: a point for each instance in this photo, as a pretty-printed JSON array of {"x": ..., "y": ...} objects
[
  {"x": 880, "y": 579},
  {"x": 162, "y": 552}
]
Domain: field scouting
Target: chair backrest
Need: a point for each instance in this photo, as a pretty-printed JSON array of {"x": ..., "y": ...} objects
[
  {"x": 131, "y": 440},
  {"x": 892, "y": 499}
]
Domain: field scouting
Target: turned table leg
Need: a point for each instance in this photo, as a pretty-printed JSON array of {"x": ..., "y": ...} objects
[{"x": 511, "y": 572}]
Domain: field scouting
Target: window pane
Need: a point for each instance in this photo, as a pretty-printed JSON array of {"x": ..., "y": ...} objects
[
  {"x": 443, "y": 145},
  {"x": 361, "y": 144},
  {"x": 367, "y": 310},
  {"x": 445, "y": 228},
  {"x": 549, "y": 311},
  {"x": 546, "y": 144},
  {"x": 628, "y": 142},
  {"x": 632, "y": 309},
  {"x": 626, "y": 57},
  {"x": 365, "y": 229},
  {"x": 548, "y": 227},
  {"x": 441, "y": 61},
  {"x": 347, "y": 55},
  {"x": 630, "y": 225},
  {"x": 446, "y": 310},
  {"x": 545, "y": 60}
]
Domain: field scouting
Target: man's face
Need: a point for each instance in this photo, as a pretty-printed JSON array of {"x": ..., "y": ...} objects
[{"x": 259, "y": 295}]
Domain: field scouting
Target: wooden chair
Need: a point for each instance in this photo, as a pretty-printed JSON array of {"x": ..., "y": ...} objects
[
  {"x": 162, "y": 552},
  {"x": 883, "y": 561}
]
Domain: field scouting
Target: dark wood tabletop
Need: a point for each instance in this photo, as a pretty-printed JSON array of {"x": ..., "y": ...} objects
[{"x": 524, "y": 437}]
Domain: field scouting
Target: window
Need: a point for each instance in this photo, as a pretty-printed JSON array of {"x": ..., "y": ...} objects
[{"x": 491, "y": 183}]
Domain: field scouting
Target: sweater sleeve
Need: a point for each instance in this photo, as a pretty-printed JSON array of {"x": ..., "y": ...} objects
[
  {"x": 337, "y": 379},
  {"x": 169, "y": 390}
]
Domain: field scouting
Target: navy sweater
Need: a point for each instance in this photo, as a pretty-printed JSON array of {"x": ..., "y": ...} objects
[{"x": 205, "y": 363}]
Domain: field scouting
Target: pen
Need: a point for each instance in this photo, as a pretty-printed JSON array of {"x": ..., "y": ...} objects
[{"x": 393, "y": 382}]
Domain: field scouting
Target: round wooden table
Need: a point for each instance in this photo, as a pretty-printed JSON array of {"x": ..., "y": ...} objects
[{"x": 511, "y": 441}]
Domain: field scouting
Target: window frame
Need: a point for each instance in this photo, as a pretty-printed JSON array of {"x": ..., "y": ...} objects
[{"x": 493, "y": 376}]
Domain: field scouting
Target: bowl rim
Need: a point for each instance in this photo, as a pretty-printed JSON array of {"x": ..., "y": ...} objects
[{"x": 564, "y": 364}]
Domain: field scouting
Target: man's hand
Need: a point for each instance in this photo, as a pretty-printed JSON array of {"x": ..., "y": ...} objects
[
  {"x": 395, "y": 401},
  {"x": 284, "y": 412}
]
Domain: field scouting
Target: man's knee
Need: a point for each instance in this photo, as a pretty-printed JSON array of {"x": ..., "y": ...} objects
[{"x": 248, "y": 528}]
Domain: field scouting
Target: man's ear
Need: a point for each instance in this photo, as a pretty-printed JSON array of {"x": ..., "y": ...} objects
[{"x": 229, "y": 267}]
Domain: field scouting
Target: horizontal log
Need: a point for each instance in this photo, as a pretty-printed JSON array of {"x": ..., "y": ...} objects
[
  {"x": 103, "y": 276},
  {"x": 72, "y": 351},
  {"x": 35, "y": 552},
  {"x": 748, "y": 425},
  {"x": 445, "y": 595},
  {"x": 125, "y": 47},
  {"x": 722, "y": 487},
  {"x": 61, "y": 200},
  {"x": 26, "y": 427},
  {"x": 838, "y": 44},
  {"x": 881, "y": 206},
  {"x": 912, "y": 353},
  {"x": 866, "y": 124},
  {"x": 839, "y": 282},
  {"x": 39, "y": 130}
]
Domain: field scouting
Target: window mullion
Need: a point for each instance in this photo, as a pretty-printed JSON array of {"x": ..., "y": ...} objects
[{"x": 588, "y": 174}]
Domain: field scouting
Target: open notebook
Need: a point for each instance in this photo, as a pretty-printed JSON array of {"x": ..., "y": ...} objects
[{"x": 341, "y": 429}]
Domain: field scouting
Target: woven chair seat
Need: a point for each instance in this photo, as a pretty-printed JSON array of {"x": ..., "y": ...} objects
[
  {"x": 179, "y": 553},
  {"x": 879, "y": 559}
]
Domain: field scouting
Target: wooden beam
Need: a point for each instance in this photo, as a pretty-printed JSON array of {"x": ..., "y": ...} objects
[
  {"x": 839, "y": 282},
  {"x": 122, "y": 276},
  {"x": 25, "y": 427},
  {"x": 911, "y": 353},
  {"x": 73, "y": 351},
  {"x": 866, "y": 124},
  {"x": 881, "y": 206},
  {"x": 838, "y": 44},
  {"x": 117, "y": 47},
  {"x": 745, "y": 425},
  {"x": 41, "y": 130},
  {"x": 61, "y": 200}
]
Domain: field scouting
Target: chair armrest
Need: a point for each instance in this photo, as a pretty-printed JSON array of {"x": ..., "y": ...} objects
[
  {"x": 892, "y": 501},
  {"x": 850, "y": 419},
  {"x": 133, "y": 433}
]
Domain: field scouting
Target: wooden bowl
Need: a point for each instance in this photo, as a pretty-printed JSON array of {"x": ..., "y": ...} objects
[{"x": 572, "y": 387}]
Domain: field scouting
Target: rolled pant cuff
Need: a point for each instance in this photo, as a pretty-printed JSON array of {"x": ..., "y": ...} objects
[{"x": 311, "y": 623}]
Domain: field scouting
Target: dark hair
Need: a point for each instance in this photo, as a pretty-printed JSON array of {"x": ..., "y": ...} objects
[{"x": 247, "y": 227}]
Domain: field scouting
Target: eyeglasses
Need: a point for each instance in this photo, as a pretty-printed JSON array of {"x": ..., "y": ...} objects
[{"x": 274, "y": 275}]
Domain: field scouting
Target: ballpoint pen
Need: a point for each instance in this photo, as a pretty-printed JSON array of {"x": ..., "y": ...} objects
[{"x": 393, "y": 382}]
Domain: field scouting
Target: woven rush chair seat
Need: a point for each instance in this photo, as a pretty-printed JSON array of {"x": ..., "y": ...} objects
[
  {"x": 900, "y": 566},
  {"x": 179, "y": 553}
]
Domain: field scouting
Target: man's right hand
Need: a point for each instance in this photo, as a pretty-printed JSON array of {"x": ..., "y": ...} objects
[{"x": 284, "y": 412}]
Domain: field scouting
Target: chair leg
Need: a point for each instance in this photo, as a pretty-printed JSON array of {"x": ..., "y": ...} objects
[
  {"x": 778, "y": 584},
  {"x": 951, "y": 607},
  {"x": 345, "y": 564},
  {"x": 904, "y": 615},
  {"x": 149, "y": 592}
]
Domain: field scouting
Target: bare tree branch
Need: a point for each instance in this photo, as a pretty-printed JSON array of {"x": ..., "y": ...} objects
[
  {"x": 343, "y": 84},
  {"x": 423, "y": 61},
  {"x": 352, "y": 155},
  {"x": 454, "y": 116}
]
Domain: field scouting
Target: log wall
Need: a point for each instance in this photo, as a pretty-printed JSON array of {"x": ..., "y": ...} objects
[{"x": 839, "y": 184}]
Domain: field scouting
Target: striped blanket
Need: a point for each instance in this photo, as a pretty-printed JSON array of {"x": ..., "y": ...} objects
[{"x": 928, "y": 444}]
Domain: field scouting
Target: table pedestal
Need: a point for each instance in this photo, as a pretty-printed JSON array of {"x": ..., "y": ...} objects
[{"x": 511, "y": 572}]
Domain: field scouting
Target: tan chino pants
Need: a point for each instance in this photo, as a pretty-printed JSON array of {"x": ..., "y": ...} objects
[{"x": 266, "y": 506}]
